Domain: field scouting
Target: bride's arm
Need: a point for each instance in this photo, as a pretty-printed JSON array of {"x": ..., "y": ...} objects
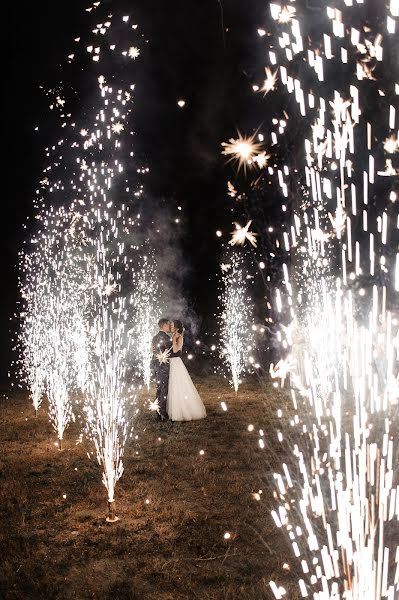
[{"x": 177, "y": 343}]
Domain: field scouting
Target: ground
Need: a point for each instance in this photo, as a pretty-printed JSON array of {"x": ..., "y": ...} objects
[{"x": 175, "y": 505}]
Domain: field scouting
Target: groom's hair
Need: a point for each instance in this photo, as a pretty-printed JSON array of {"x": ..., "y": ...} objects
[{"x": 162, "y": 322}]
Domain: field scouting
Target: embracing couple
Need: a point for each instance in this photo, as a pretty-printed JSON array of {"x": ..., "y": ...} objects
[{"x": 177, "y": 397}]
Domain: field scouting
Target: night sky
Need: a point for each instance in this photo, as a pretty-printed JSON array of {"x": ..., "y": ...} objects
[{"x": 195, "y": 52}]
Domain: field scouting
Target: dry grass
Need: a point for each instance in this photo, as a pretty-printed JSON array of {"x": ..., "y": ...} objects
[{"x": 171, "y": 548}]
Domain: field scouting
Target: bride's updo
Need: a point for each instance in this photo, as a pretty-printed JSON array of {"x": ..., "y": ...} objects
[{"x": 178, "y": 327}]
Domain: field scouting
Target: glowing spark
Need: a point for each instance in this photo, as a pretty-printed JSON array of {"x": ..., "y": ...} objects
[
  {"x": 134, "y": 52},
  {"x": 163, "y": 357},
  {"x": 338, "y": 221},
  {"x": 153, "y": 406},
  {"x": 225, "y": 267},
  {"x": 117, "y": 127},
  {"x": 232, "y": 192},
  {"x": 281, "y": 369},
  {"x": 270, "y": 81},
  {"x": 286, "y": 14},
  {"x": 391, "y": 145},
  {"x": 389, "y": 169},
  {"x": 340, "y": 107},
  {"x": 110, "y": 288},
  {"x": 261, "y": 160},
  {"x": 241, "y": 234},
  {"x": 242, "y": 149}
]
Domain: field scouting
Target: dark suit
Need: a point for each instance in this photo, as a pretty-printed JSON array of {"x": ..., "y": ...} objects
[{"x": 161, "y": 343}]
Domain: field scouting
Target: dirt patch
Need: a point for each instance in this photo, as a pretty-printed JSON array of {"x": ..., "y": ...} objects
[{"x": 175, "y": 504}]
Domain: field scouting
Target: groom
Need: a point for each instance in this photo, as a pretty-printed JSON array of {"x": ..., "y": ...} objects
[{"x": 161, "y": 346}]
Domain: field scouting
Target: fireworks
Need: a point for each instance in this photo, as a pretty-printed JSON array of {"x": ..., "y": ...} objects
[
  {"x": 63, "y": 337},
  {"x": 52, "y": 332},
  {"x": 33, "y": 339},
  {"x": 108, "y": 399},
  {"x": 236, "y": 330},
  {"x": 337, "y": 496},
  {"x": 77, "y": 305}
]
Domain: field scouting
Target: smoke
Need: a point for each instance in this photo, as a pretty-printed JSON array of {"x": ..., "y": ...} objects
[{"x": 160, "y": 233}]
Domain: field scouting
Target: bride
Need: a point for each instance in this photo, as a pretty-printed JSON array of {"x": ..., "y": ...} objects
[{"x": 184, "y": 402}]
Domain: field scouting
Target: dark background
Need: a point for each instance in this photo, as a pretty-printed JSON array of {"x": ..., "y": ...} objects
[{"x": 200, "y": 51}]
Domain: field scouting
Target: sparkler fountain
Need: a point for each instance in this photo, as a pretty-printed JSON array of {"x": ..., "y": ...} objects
[
  {"x": 33, "y": 335},
  {"x": 107, "y": 397},
  {"x": 63, "y": 343},
  {"x": 53, "y": 330},
  {"x": 337, "y": 492},
  {"x": 236, "y": 326},
  {"x": 338, "y": 510},
  {"x": 87, "y": 303},
  {"x": 109, "y": 401}
]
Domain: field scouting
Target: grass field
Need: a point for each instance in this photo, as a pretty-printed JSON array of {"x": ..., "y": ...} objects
[{"x": 174, "y": 504}]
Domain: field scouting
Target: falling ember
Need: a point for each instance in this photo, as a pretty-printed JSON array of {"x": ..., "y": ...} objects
[
  {"x": 236, "y": 331},
  {"x": 341, "y": 350}
]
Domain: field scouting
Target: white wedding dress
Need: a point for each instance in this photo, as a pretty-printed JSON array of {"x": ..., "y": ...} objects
[{"x": 184, "y": 402}]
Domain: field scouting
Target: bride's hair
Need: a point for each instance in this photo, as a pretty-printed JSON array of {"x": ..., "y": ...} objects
[{"x": 179, "y": 326}]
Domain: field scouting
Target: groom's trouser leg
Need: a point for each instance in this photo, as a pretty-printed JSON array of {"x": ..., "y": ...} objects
[{"x": 162, "y": 389}]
